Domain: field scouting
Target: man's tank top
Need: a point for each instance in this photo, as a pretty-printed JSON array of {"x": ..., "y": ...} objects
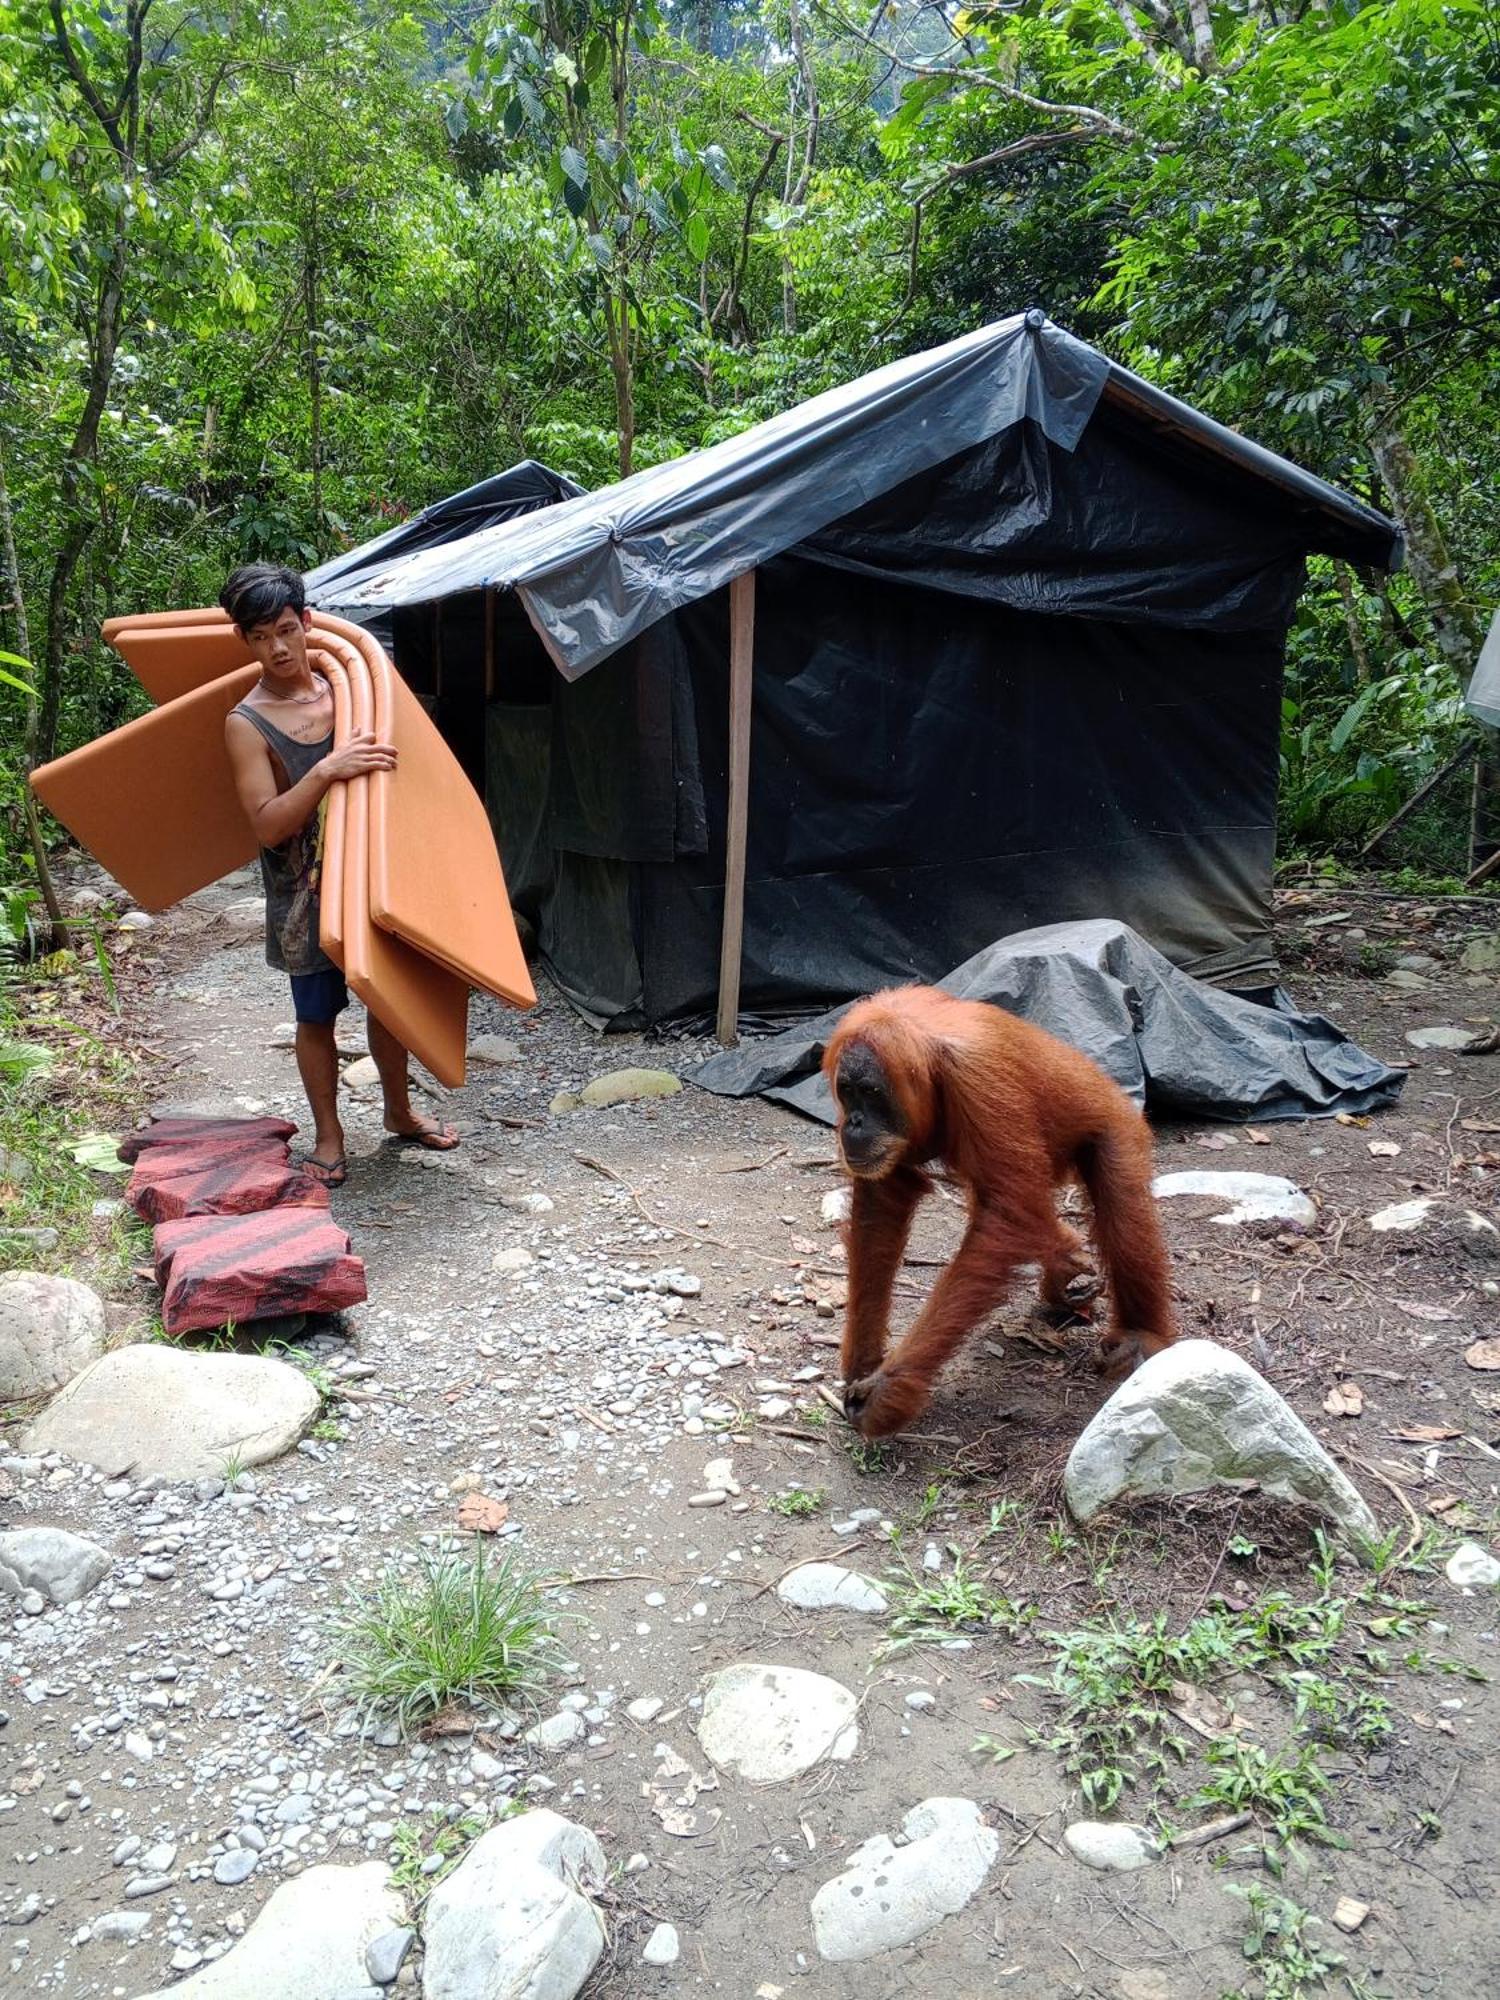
[{"x": 292, "y": 873}]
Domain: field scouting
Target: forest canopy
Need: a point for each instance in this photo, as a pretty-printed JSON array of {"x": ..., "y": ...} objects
[{"x": 277, "y": 276}]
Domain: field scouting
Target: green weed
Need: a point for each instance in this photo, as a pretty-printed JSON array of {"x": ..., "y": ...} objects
[
  {"x": 422, "y": 1856},
  {"x": 866, "y": 1457},
  {"x": 928, "y": 1608},
  {"x": 456, "y": 1631},
  {"x": 1284, "y": 1792},
  {"x": 1287, "y": 1960},
  {"x": 797, "y": 1502}
]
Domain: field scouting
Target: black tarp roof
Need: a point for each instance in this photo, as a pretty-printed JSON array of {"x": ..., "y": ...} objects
[
  {"x": 505, "y": 497},
  {"x": 596, "y": 571}
]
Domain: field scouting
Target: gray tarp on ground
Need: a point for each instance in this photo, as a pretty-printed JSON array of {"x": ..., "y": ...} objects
[{"x": 1179, "y": 1048}]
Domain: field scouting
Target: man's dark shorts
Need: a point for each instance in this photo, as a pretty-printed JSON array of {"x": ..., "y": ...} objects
[{"x": 319, "y": 997}]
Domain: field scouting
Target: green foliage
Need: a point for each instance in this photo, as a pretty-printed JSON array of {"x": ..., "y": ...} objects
[
  {"x": 927, "y": 1608},
  {"x": 368, "y": 255},
  {"x": 424, "y": 1851},
  {"x": 797, "y": 1503},
  {"x": 1284, "y": 1791},
  {"x": 1288, "y": 1961},
  {"x": 457, "y": 1631}
]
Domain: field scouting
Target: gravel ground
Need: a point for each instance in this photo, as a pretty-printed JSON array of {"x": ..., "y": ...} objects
[{"x": 582, "y": 1316}]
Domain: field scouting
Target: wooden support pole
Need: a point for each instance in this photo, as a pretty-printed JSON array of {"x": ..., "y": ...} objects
[{"x": 741, "y": 686}]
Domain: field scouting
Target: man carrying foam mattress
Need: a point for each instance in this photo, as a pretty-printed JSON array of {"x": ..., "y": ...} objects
[{"x": 280, "y": 742}]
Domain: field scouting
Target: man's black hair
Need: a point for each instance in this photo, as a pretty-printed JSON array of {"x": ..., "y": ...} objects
[{"x": 260, "y": 592}]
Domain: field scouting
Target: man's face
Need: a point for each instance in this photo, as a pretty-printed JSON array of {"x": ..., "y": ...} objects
[{"x": 280, "y": 644}]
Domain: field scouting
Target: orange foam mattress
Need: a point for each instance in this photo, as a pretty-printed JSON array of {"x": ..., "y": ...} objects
[
  {"x": 154, "y": 801},
  {"x": 435, "y": 876},
  {"x": 176, "y": 659}
]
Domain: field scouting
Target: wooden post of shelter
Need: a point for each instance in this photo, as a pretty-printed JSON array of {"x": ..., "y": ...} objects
[{"x": 741, "y": 686}]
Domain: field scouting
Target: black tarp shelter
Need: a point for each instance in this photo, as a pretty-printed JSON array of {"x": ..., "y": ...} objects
[
  {"x": 506, "y": 497},
  {"x": 990, "y": 638}
]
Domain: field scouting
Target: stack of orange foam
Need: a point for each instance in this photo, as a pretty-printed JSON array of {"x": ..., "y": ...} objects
[{"x": 414, "y": 905}]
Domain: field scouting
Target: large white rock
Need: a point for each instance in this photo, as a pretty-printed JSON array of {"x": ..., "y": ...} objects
[
  {"x": 831, "y": 1587},
  {"x": 61, "y": 1566},
  {"x": 308, "y": 1943},
  {"x": 890, "y": 1893},
  {"x": 514, "y": 1921},
  {"x": 494, "y": 1049},
  {"x": 1440, "y": 1226},
  {"x": 160, "y": 1413},
  {"x": 1196, "y": 1416},
  {"x": 1247, "y": 1197},
  {"x": 49, "y": 1329},
  {"x": 770, "y": 1723}
]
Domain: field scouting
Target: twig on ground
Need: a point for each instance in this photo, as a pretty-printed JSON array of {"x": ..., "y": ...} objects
[
  {"x": 756, "y": 1166},
  {"x": 1214, "y": 1829},
  {"x": 1417, "y": 1527}
]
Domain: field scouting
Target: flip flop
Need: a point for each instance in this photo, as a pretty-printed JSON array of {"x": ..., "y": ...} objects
[
  {"x": 435, "y": 1139},
  {"x": 327, "y": 1173}
]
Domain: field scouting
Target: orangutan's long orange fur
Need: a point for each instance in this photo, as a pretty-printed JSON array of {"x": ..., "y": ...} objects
[{"x": 1011, "y": 1113}]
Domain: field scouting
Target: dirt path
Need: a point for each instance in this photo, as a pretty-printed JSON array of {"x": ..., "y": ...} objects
[{"x": 593, "y": 1404}]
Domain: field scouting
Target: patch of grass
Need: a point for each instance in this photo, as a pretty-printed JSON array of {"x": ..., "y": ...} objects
[
  {"x": 797, "y": 1502},
  {"x": 1338, "y": 1711},
  {"x": 926, "y": 1609},
  {"x": 458, "y": 1630},
  {"x": 993, "y": 1748},
  {"x": 422, "y": 1855},
  {"x": 58, "y": 1082},
  {"x": 1284, "y": 1792},
  {"x": 326, "y": 1431},
  {"x": 1112, "y": 1682},
  {"x": 1288, "y": 1961},
  {"x": 866, "y": 1457},
  {"x": 231, "y": 1469},
  {"x": 1005, "y": 1515},
  {"x": 301, "y": 1358},
  {"x": 813, "y": 1415}
]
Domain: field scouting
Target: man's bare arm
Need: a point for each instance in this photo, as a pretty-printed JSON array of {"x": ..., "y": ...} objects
[{"x": 275, "y": 816}]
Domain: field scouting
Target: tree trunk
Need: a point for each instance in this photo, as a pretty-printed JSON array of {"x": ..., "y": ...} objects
[
  {"x": 617, "y": 327},
  {"x": 1357, "y": 645},
  {"x": 1204, "y": 53},
  {"x": 314, "y": 367},
  {"x": 10, "y": 571},
  {"x": 77, "y": 523},
  {"x": 1457, "y": 625},
  {"x": 1458, "y": 629}
]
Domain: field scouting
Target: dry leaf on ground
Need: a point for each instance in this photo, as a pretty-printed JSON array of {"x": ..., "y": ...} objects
[
  {"x": 1416, "y": 1309},
  {"x": 1483, "y": 1354}
]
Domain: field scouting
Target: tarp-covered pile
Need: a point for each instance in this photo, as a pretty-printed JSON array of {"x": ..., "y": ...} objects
[{"x": 1181, "y": 1049}]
